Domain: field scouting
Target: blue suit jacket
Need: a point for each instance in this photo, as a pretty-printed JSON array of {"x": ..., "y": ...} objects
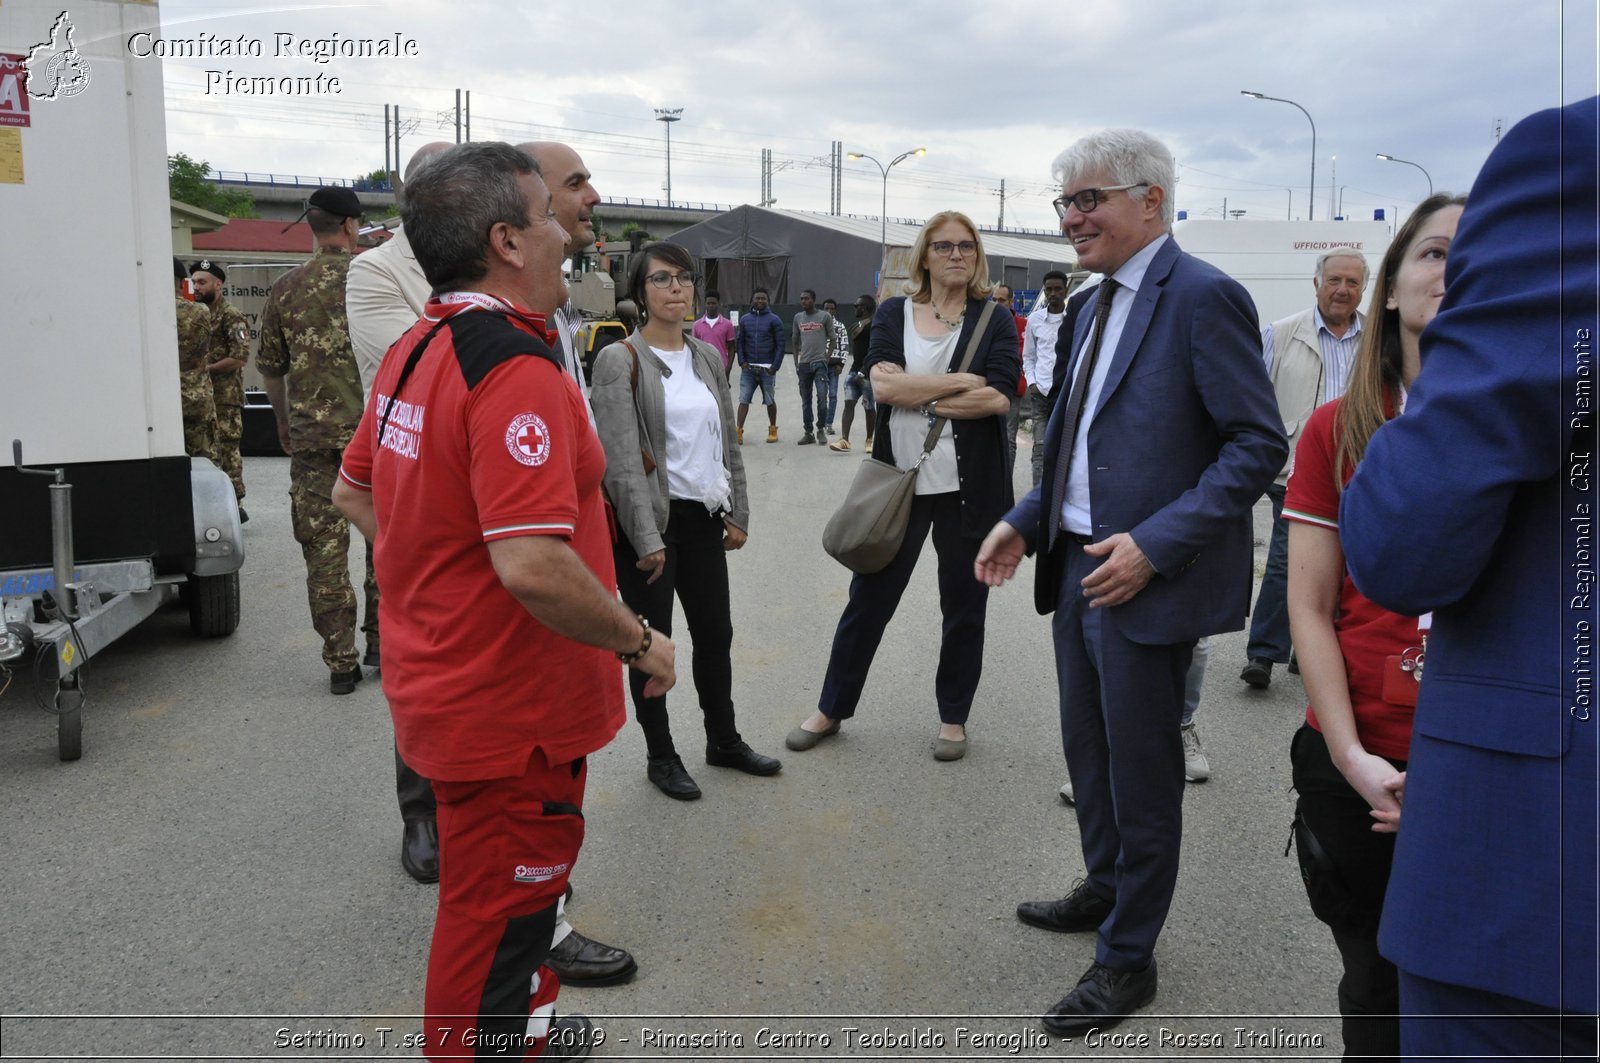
[
  {"x": 1185, "y": 440},
  {"x": 1479, "y": 503}
]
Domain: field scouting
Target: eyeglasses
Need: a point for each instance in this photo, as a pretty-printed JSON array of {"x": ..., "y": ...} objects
[
  {"x": 1087, "y": 199},
  {"x": 949, "y": 249},
  {"x": 665, "y": 279}
]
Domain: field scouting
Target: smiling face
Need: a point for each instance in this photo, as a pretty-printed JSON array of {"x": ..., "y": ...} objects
[
  {"x": 1418, "y": 285},
  {"x": 955, "y": 269},
  {"x": 572, "y": 193},
  {"x": 1119, "y": 226},
  {"x": 1344, "y": 277},
  {"x": 543, "y": 245},
  {"x": 758, "y": 302}
]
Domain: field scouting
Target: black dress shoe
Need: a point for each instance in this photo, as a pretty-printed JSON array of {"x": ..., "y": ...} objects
[
  {"x": 578, "y": 960},
  {"x": 1258, "y": 673},
  {"x": 571, "y": 1037},
  {"x": 741, "y": 756},
  {"x": 1294, "y": 663},
  {"x": 672, "y": 778},
  {"x": 1102, "y": 999},
  {"x": 344, "y": 682},
  {"x": 1080, "y": 910},
  {"x": 419, "y": 850}
]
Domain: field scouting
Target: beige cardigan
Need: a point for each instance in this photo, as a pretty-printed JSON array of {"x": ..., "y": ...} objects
[{"x": 629, "y": 423}]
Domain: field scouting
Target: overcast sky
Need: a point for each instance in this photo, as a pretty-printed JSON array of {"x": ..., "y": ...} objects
[{"x": 993, "y": 92}]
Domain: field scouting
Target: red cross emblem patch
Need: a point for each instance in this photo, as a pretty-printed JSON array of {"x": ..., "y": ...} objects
[{"x": 528, "y": 439}]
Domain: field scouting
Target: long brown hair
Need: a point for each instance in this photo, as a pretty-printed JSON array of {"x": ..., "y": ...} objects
[{"x": 1372, "y": 394}]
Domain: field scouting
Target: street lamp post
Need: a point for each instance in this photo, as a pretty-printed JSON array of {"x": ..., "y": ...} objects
[
  {"x": 883, "y": 214},
  {"x": 668, "y": 115},
  {"x": 1311, "y": 199},
  {"x": 1391, "y": 158}
]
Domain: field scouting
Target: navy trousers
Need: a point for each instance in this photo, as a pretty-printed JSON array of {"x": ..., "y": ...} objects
[{"x": 1121, "y": 703}]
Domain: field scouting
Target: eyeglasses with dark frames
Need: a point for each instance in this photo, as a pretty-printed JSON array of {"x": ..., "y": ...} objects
[
  {"x": 949, "y": 248},
  {"x": 663, "y": 279},
  {"x": 1087, "y": 199}
]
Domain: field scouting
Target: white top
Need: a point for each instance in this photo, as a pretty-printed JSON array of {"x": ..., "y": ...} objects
[
  {"x": 1075, "y": 507},
  {"x": 908, "y": 429},
  {"x": 695, "y": 471},
  {"x": 566, "y": 321},
  {"x": 1039, "y": 347}
]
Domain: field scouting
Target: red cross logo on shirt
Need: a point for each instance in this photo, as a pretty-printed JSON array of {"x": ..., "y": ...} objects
[{"x": 528, "y": 440}]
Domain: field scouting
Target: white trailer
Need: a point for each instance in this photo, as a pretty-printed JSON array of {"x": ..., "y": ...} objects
[
  {"x": 1275, "y": 260},
  {"x": 121, "y": 521}
]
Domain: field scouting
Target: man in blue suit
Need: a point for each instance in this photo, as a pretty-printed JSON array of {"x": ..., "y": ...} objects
[
  {"x": 1166, "y": 437},
  {"x": 1479, "y": 504}
]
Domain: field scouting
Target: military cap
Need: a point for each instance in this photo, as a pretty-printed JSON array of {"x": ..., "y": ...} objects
[
  {"x": 207, "y": 266},
  {"x": 340, "y": 202}
]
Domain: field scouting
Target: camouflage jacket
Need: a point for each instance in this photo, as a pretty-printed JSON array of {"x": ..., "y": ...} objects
[
  {"x": 230, "y": 338},
  {"x": 305, "y": 336},
  {"x": 194, "y": 381}
]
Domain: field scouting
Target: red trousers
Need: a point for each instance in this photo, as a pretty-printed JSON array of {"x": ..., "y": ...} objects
[{"x": 506, "y": 847}]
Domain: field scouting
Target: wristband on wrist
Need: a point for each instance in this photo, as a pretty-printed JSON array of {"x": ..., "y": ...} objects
[{"x": 644, "y": 645}]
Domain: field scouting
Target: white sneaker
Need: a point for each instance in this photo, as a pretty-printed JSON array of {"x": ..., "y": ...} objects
[
  {"x": 1066, "y": 792},
  {"x": 1195, "y": 766}
]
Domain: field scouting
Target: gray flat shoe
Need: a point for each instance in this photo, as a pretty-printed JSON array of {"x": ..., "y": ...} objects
[
  {"x": 801, "y": 739},
  {"x": 949, "y": 749}
]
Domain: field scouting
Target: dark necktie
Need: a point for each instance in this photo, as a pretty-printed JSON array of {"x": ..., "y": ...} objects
[{"x": 1075, "y": 403}]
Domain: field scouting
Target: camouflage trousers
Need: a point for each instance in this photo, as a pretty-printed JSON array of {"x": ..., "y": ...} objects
[
  {"x": 230, "y": 431},
  {"x": 324, "y": 538},
  {"x": 199, "y": 425}
]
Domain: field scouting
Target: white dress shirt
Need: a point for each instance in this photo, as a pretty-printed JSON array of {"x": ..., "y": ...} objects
[
  {"x": 1075, "y": 508},
  {"x": 1039, "y": 347}
]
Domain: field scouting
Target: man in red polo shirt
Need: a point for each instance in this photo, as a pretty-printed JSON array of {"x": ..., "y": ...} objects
[{"x": 476, "y": 473}]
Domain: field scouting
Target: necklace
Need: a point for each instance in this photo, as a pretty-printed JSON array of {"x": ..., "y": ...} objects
[{"x": 949, "y": 324}]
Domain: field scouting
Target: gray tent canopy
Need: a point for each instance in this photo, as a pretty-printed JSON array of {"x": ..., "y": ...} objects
[{"x": 784, "y": 251}]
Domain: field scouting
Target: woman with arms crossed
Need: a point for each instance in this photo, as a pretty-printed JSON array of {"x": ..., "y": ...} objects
[{"x": 918, "y": 342}]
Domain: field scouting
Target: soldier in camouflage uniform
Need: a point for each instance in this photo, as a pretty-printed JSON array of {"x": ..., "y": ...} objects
[
  {"x": 309, "y": 370},
  {"x": 194, "y": 383},
  {"x": 230, "y": 352}
]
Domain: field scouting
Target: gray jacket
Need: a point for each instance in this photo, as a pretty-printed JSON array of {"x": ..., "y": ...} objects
[{"x": 628, "y": 424}]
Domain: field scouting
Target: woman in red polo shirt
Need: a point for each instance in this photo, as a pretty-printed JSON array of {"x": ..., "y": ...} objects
[{"x": 1349, "y": 758}]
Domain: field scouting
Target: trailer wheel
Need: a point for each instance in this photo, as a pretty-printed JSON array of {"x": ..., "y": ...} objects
[
  {"x": 214, "y": 605},
  {"x": 69, "y": 719},
  {"x": 69, "y": 734}
]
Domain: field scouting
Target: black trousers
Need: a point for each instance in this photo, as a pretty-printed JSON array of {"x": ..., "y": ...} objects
[
  {"x": 1369, "y": 992},
  {"x": 873, "y": 600},
  {"x": 697, "y": 572}
]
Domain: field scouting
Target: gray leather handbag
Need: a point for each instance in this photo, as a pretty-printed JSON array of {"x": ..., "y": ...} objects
[{"x": 866, "y": 531}]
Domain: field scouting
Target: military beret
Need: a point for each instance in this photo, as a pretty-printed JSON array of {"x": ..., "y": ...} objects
[
  {"x": 340, "y": 202},
  {"x": 207, "y": 266},
  {"x": 178, "y": 272}
]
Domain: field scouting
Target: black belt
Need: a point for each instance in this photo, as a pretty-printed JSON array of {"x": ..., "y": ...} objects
[{"x": 1081, "y": 540}]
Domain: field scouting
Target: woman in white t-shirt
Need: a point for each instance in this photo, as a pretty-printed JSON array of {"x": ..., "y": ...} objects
[
  {"x": 665, "y": 417},
  {"x": 962, "y": 491}
]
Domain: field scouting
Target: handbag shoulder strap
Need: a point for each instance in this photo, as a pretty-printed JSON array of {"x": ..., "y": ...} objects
[{"x": 982, "y": 326}]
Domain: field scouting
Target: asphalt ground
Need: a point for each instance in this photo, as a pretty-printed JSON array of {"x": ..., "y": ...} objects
[{"x": 220, "y": 870}]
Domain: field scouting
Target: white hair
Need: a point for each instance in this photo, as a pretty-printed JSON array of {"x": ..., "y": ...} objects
[
  {"x": 1342, "y": 252},
  {"x": 1130, "y": 157}
]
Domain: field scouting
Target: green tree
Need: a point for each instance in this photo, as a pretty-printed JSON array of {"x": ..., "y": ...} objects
[{"x": 187, "y": 183}]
